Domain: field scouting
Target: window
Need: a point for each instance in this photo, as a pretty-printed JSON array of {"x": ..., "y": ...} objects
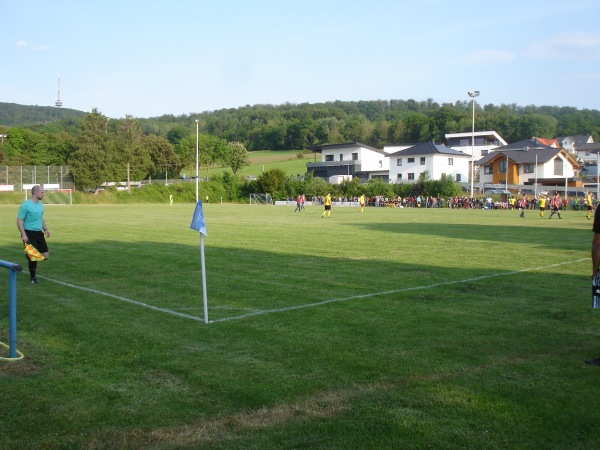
[
  {"x": 399, "y": 162},
  {"x": 558, "y": 166},
  {"x": 411, "y": 176},
  {"x": 422, "y": 160},
  {"x": 411, "y": 160},
  {"x": 380, "y": 163},
  {"x": 502, "y": 165},
  {"x": 328, "y": 157},
  {"x": 488, "y": 170},
  {"x": 528, "y": 168},
  {"x": 354, "y": 156},
  {"x": 399, "y": 176},
  {"x": 450, "y": 161},
  {"x": 484, "y": 152},
  {"x": 443, "y": 176},
  {"x": 458, "y": 177},
  {"x": 341, "y": 156},
  {"x": 465, "y": 142}
]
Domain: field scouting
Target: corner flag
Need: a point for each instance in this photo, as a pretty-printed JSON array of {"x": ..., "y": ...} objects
[
  {"x": 33, "y": 253},
  {"x": 198, "y": 220},
  {"x": 199, "y": 225}
]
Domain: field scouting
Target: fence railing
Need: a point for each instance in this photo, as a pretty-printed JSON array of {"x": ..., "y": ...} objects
[
  {"x": 13, "y": 268},
  {"x": 17, "y": 176}
]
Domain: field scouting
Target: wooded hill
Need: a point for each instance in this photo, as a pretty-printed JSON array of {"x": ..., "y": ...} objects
[
  {"x": 12, "y": 114},
  {"x": 296, "y": 126}
]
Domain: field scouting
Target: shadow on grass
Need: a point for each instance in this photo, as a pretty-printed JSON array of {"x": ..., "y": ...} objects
[{"x": 558, "y": 237}]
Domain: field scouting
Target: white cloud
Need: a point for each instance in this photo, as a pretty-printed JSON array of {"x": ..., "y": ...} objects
[
  {"x": 486, "y": 57},
  {"x": 577, "y": 45},
  {"x": 23, "y": 44}
]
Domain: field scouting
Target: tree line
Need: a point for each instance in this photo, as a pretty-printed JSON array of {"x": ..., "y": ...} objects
[{"x": 100, "y": 149}]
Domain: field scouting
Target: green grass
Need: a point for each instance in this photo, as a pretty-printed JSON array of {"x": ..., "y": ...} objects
[
  {"x": 263, "y": 160},
  {"x": 391, "y": 329}
]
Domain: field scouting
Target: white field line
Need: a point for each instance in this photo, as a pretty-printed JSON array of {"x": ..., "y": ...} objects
[
  {"x": 123, "y": 299},
  {"x": 415, "y": 288},
  {"x": 309, "y": 305}
]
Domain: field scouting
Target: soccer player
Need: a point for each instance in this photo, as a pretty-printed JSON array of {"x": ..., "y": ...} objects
[
  {"x": 31, "y": 224},
  {"x": 595, "y": 273},
  {"x": 363, "y": 202},
  {"x": 327, "y": 206},
  {"x": 589, "y": 205},
  {"x": 555, "y": 204},
  {"x": 298, "y": 203},
  {"x": 542, "y": 205},
  {"x": 523, "y": 205}
]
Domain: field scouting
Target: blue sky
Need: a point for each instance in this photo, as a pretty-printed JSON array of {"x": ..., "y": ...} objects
[{"x": 184, "y": 56}]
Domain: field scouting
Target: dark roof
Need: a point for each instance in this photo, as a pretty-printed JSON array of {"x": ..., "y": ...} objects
[
  {"x": 320, "y": 148},
  {"x": 428, "y": 148},
  {"x": 595, "y": 147},
  {"x": 577, "y": 139},
  {"x": 525, "y": 151}
]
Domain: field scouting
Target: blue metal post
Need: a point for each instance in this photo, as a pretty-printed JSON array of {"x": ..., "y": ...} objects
[
  {"x": 12, "y": 313},
  {"x": 12, "y": 306}
]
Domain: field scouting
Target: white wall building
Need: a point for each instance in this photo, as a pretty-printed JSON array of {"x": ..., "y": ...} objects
[
  {"x": 349, "y": 160},
  {"x": 437, "y": 160},
  {"x": 485, "y": 141}
]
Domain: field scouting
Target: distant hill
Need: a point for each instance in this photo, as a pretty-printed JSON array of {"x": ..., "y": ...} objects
[{"x": 12, "y": 114}]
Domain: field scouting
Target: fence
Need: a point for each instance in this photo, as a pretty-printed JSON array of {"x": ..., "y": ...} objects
[{"x": 17, "y": 176}]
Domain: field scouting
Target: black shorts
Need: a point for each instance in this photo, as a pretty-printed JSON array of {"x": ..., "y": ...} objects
[
  {"x": 327, "y": 207},
  {"x": 37, "y": 239}
]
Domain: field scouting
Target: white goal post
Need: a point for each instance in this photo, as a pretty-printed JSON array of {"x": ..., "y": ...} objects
[
  {"x": 53, "y": 195},
  {"x": 261, "y": 199}
]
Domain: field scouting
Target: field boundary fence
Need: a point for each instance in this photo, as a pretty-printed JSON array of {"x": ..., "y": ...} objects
[{"x": 18, "y": 176}]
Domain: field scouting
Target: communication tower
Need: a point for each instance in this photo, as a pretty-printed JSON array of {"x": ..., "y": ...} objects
[{"x": 58, "y": 102}]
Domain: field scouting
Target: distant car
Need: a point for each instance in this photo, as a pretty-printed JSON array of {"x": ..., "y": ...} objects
[
  {"x": 251, "y": 178},
  {"x": 542, "y": 192}
]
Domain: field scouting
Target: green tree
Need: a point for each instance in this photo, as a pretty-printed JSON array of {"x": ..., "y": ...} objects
[
  {"x": 236, "y": 156},
  {"x": 133, "y": 158},
  {"x": 93, "y": 161},
  {"x": 162, "y": 153},
  {"x": 272, "y": 181}
]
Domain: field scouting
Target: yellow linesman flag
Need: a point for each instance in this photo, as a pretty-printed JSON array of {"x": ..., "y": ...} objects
[{"x": 32, "y": 253}]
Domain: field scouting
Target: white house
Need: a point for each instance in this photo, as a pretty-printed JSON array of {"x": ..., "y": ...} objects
[
  {"x": 485, "y": 141},
  {"x": 437, "y": 160},
  {"x": 348, "y": 160}
]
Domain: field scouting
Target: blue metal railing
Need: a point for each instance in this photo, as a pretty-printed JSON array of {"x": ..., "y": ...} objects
[{"x": 12, "y": 306}]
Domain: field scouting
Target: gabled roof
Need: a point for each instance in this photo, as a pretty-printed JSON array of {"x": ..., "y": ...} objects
[
  {"x": 320, "y": 148},
  {"x": 577, "y": 139},
  {"x": 525, "y": 151},
  {"x": 550, "y": 142},
  {"x": 428, "y": 148}
]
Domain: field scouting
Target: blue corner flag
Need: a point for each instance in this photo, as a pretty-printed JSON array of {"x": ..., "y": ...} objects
[{"x": 198, "y": 220}]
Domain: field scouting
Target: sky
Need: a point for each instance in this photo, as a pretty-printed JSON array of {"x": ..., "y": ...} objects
[{"x": 151, "y": 58}]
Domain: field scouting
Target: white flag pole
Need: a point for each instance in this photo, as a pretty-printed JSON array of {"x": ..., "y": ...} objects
[{"x": 203, "y": 278}]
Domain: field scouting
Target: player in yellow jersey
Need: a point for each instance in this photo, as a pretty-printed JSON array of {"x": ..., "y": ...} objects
[
  {"x": 542, "y": 205},
  {"x": 327, "y": 205},
  {"x": 363, "y": 202},
  {"x": 589, "y": 205}
]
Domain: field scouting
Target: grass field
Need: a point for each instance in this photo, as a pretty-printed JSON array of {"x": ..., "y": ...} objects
[
  {"x": 263, "y": 160},
  {"x": 397, "y": 328}
]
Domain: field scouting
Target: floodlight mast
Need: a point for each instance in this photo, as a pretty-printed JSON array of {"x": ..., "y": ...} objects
[{"x": 473, "y": 95}]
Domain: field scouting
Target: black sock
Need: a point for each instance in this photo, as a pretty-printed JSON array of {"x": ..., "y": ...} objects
[{"x": 32, "y": 268}]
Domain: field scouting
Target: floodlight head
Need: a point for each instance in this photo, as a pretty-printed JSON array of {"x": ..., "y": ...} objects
[
  {"x": 196, "y": 121},
  {"x": 473, "y": 94}
]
